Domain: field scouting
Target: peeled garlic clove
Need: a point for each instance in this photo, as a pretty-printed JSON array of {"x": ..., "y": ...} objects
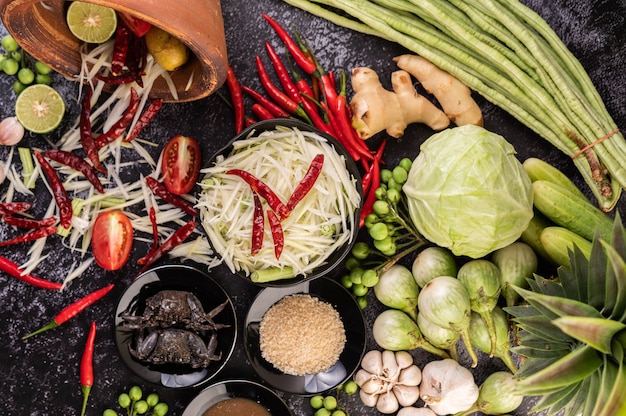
[
  {"x": 404, "y": 359},
  {"x": 410, "y": 376},
  {"x": 391, "y": 370},
  {"x": 387, "y": 403},
  {"x": 368, "y": 400},
  {"x": 406, "y": 395},
  {"x": 11, "y": 131},
  {"x": 373, "y": 362}
]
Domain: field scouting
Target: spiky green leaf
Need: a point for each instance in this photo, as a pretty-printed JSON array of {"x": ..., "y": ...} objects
[
  {"x": 553, "y": 403},
  {"x": 553, "y": 306},
  {"x": 618, "y": 268},
  {"x": 596, "y": 332},
  {"x": 542, "y": 327}
]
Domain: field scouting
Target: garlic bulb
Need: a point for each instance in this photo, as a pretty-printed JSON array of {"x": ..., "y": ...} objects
[
  {"x": 447, "y": 387},
  {"x": 388, "y": 380},
  {"x": 11, "y": 131},
  {"x": 416, "y": 411}
]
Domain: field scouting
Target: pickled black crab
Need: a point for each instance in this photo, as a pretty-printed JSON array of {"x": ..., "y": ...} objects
[{"x": 174, "y": 308}]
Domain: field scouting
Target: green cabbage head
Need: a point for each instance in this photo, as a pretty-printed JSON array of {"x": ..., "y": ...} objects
[{"x": 468, "y": 192}]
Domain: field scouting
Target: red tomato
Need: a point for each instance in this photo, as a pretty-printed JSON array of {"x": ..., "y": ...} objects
[
  {"x": 180, "y": 164},
  {"x": 136, "y": 25},
  {"x": 112, "y": 239}
]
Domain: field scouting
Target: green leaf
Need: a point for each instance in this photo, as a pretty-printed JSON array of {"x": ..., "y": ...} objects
[
  {"x": 618, "y": 267},
  {"x": 615, "y": 384},
  {"x": 556, "y": 401},
  {"x": 557, "y": 306},
  {"x": 543, "y": 328},
  {"x": 596, "y": 332}
]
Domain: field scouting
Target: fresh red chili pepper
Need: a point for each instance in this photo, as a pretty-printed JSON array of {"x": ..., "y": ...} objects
[
  {"x": 73, "y": 309},
  {"x": 261, "y": 112},
  {"x": 60, "y": 194},
  {"x": 14, "y": 207},
  {"x": 120, "y": 49},
  {"x": 307, "y": 182},
  {"x": 354, "y": 154},
  {"x": 250, "y": 121},
  {"x": 282, "y": 73},
  {"x": 236, "y": 98},
  {"x": 299, "y": 56},
  {"x": 31, "y": 235},
  {"x": 86, "y": 135},
  {"x": 28, "y": 223},
  {"x": 155, "y": 228},
  {"x": 258, "y": 225},
  {"x": 12, "y": 269},
  {"x": 168, "y": 245},
  {"x": 366, "y": 209},
  {"x": 146, "y": 117},
  {"x": 272, "y": 107},
  {"x": 122, "y": 124},
  {"x": 347, "y": 130},
  {"x": 277, "y": 233},
  {"x": 311, "y": 106},
  {"x": 263, "y": 190},
  {"x": 86, "y": 366},
  {"x": 276, "y": 94},
  {"x": 74, "y": 161},
  {"x": 161, "y": 191}
]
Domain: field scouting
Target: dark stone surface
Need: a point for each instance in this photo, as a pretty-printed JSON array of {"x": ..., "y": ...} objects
[{"x": 40, "y": 376}]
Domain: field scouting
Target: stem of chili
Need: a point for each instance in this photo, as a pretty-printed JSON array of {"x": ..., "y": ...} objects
[
  {"x": 60, "y": 194},
  {"x": 271, "y": 106},
  {"x": 146, "y": 117},
  {"x": 31, "y": 235},
  {"x": 74, "y": 309},
  {"x": 299, "y": 56},
  {"x": 86, "y": 366},
  {"x": 12, "y": 269},
  {"x": 161, "y": 191},
  {"x": 236, "y": 98},
  {"x": 74, "y": 161},
  {"x": 86, "y": 135}
]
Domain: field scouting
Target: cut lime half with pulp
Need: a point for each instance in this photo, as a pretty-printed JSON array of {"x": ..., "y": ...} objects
[
  {"x": 91, "y": 23},
  {"x": 39, "y": 108}
]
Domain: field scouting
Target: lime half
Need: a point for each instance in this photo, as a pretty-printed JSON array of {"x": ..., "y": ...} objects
[
  {"x": 39, "y": 108},
  {"x": 91, "y": 23}
]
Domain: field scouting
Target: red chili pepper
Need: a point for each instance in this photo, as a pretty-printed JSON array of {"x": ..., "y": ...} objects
[
  {"x": 276, "y": 94},
  {"x": 354, "y": 154},
  {"x": 276, "y": 110},
  {"x": 28, "y": 223},
  {"x": 86, "y": 366},
  {"x": 366, "y": 209},
  {"x": 31, "y": 235},
  {"x": 74, "y": 161},
  {"x": 310, "y": 106},
  {"x": 283, "y": 75},
  {"x": 347, "y": 130},
  {"x": 277, "y": 233},
  {"x": 120, "y": 49},
  {"x": 307, "y": 182},
  {"x": 14, "y": 207},
  {"x": 161, "y": 191},
  {"x": 120, "y": 125},
  {"x": 155, "y": 228},
  {"x": 236, "y": 97},
  {"x": 146, "y": 117},
  {"x": 12, "y": 269},
  {"x": 72, "y": 310},
  {"x": 168, "y": 245},
  {"x": 60, "y": 194},
  {"x": 258, "y": 225},
  {"x": 263, "y": 190},
  {"x": 261, "y": 112},
  {"x": 86, "y": 135},
  {"x": 299, "y": 56},
  {"x": 125, "y": 78}
]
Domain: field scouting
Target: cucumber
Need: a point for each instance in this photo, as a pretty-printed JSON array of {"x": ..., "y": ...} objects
[
  {"x": 558, "y": 241},
  {"x": 538, "y": 169},
  {"x": 567, "y": 210},
  {"x": 532, "y": 234}
]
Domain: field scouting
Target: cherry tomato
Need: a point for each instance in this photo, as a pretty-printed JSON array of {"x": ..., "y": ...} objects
[
  {"x": 136, "y": 25},
  {"x": 180, "y": 164},
  {"x": 112, "y": 239}
]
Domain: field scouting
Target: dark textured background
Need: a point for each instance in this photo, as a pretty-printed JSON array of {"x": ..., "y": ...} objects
[{"x": 40, "y": 376}]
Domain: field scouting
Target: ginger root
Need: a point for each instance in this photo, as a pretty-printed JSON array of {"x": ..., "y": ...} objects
[
  {"x": 375, "y": 109},
  {"x": 453, "y": 96}
]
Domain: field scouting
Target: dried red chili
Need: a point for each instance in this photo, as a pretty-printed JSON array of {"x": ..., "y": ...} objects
[
  {"x": 73, "y": 309},
  {"x": 12, "y": 269},
  {"x": 263, "y": 190},
  {"x": 258, "y": 225},
  {"x": 307, "y": 182},
  {"x": 155, "y": 228},
  {"x": 74, "y": 161},
  {"x": 60, "y": 194},
  {"x": 168, "y": 245},
  {"x": 120, "y": 49},
  {"x": 31, "y": 235},
  {"x": 28, "y": 223},
  {"x": 86, "y": 366},
  {"x": 161, "y": 191},
  {"x": 146, "y": 117},
  {"x": 14, "y": 207},
  {"x": 117, "y": 129},
  {"x": 236, "y": 98},
  {"x": 277, "y": 233},
  {"x": 86, "y": 135}
]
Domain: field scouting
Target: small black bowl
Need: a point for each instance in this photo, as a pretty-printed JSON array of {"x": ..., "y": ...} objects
[
  {"x": 237, "y": 388},
  {"x": 334, "y": 259},
  {"x": 208, "y": 292},
  {"x": 327, "y": 290}
]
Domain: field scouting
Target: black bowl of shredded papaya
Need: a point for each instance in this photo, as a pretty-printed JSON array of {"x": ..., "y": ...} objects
[{"x": 280, "y": 203}]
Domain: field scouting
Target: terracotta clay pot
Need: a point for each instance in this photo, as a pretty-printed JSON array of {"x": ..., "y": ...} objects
[{"x": 39, "y": 28}]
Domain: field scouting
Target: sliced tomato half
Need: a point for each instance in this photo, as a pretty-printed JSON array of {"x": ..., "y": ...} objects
[
  {"x": 180, "y": 164},
  {"x": 112, "y": 239},
  {"x": 138, "y": 26}
]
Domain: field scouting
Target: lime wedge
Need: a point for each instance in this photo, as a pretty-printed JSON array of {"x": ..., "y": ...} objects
[
  {"x": 91, "y": 23},
  {"x": 39, "y": 108}
]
